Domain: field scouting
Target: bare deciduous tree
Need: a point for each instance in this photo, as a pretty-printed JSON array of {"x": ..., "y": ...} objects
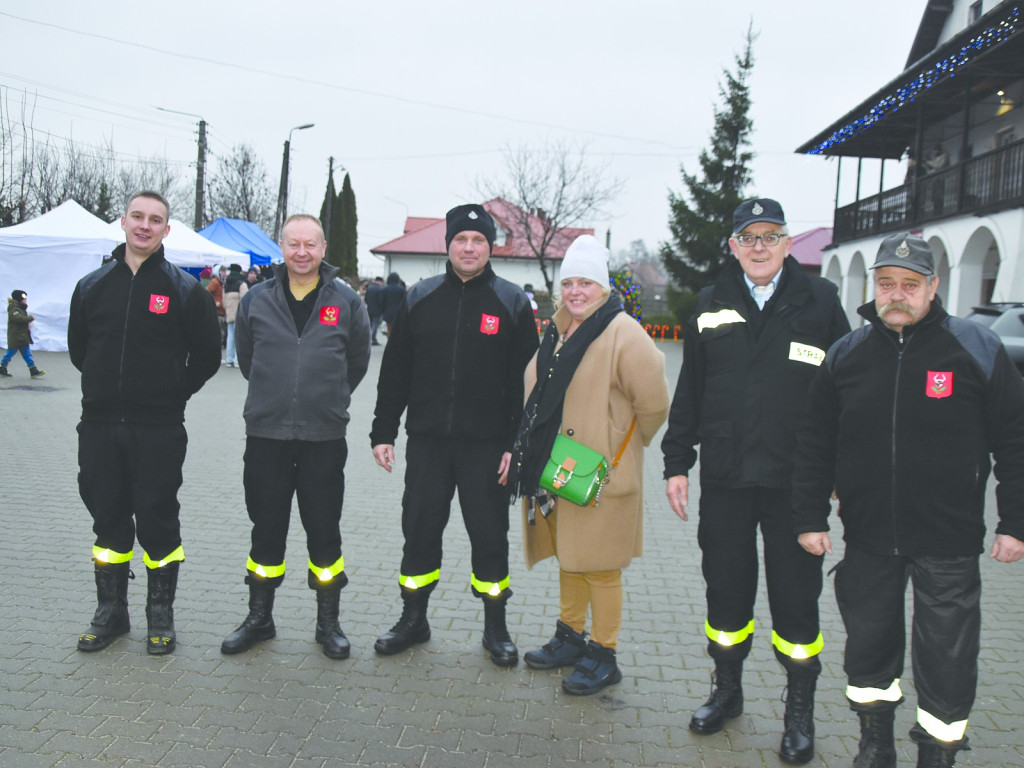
[
  {"x": 553, "y": 187},
  {"x": 239, "y": 188}
]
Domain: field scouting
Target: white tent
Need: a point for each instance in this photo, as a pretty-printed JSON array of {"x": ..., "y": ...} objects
[
  {"x": 187, "y": 249},
  {"x": 46, "y": 257}
]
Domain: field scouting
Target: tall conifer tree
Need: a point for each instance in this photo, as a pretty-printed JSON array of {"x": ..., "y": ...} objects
[{"x": 700, "y": 219}]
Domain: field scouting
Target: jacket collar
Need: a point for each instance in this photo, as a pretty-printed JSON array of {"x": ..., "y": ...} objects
[
  {"x": 936, "y": 314},
  {"x": 793, "y": 286},
  {"x": 156, "y": 256},
  {"x": 484, "y": 277}
]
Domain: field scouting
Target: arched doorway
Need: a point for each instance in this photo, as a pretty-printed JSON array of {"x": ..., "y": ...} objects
[{"x": 978, "y": 271}]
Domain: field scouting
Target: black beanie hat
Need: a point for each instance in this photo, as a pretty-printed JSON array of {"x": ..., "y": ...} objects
[
  {"x": 470, "y": 217},
  {"x": 18, "y": 295}
]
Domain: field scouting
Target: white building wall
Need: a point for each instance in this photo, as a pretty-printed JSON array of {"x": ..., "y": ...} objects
[
  {"x": 962, "y": 247},
  {"x": 414, "y": 268}
]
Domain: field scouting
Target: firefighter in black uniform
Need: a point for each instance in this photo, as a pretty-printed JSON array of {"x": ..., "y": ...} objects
[
  {"x": 903, "y": 421},
  {"x": 455, "y": 359},
  {"x": 145, "y": 336},
  {"x": 751, "y": 349}
]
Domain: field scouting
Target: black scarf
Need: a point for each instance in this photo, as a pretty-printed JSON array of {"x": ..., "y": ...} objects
[{"x": 542, "y": 417}]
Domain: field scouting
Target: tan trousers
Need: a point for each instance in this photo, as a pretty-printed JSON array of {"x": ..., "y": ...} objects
[{"x": 598, "y": 591}]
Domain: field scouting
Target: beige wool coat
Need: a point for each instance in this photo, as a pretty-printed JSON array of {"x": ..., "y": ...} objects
[{"x": 621, "y": 375}]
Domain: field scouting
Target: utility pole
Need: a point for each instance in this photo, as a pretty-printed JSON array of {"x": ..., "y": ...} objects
[
  {"x": 282, "y": 192},
  {"x": 200, "y": 218}
]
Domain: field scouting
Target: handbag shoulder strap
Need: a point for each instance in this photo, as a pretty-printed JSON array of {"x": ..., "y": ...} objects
[{"x": 622, "y": 448}]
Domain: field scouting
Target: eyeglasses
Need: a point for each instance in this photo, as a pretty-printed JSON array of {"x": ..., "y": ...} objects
[{"x": 767, "y": 240}]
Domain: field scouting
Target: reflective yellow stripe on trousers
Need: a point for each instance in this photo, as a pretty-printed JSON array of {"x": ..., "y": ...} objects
[
  {"x": 417, "y": 582},
  {"x": 177, "y": 555},
  {"x": 328, "y": 573},
  {"x": 264, "y": 571},
  {"x": 492, "y": 588},
  {"x": 110, "y": 557},
  {"x": 795, "y": 650},
  {"x": 722, "y": 637}
]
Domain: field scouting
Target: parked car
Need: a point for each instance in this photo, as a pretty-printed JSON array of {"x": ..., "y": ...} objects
[{"x": 1007, "y": 320}]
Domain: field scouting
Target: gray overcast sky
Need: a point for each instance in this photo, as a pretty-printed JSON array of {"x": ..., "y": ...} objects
[{"x": 417, "y": 99}]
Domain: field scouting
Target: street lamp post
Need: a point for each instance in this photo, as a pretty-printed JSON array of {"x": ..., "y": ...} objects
[{"x": 282, "y": 194}]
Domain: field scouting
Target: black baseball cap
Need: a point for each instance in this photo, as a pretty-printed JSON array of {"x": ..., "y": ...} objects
[
  {"x": 908, "y": 251},
  {"x": 758, "y": 209}
]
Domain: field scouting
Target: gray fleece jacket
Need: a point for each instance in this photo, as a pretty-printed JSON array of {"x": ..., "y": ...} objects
[{"x": 300, "y": 385}]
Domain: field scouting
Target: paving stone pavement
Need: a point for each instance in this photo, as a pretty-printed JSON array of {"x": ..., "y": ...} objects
[{"x": 439, "y": 705}]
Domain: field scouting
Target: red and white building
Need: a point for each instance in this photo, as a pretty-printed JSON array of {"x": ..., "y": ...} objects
[{"x": 420, "y": 251}]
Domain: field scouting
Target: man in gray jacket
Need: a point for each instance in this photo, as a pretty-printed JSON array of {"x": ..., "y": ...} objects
[{"x": 303, "y": 343}]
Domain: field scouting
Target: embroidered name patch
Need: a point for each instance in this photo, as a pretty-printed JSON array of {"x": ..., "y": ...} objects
[
  {"x": 939, "y": 384},
  {"x": 329, "y": 315},
  {"x": 805, "y": 353},
  {"x": 489, "y": 324},
  {"x": 715, "y": 319},
  {"x": 159, "y": 305}
]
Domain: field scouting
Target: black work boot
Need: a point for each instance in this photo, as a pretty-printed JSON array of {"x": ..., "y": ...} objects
[
  {"x": 594, "y": 672},
  {"x": 111, "y": 618},
  {"x": 726, "y": 700},
  {"x": 798, "y": 737},
  {"x": 411, "y": 628},
  {"x": 163, "y": 584},
  {"x": 932, "y": 753},
  {"x": 877, "y": 747},
  {"x": 35, "y": 372},
  {"x": 496, "y": 638},
  {"x": 259, "y": 624},
  {"x": 564, "y": 649},
  {"x": 4, "y": 372},
  {"x": 328, "y": 631}
]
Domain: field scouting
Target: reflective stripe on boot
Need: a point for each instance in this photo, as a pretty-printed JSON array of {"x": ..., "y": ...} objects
[{"x": 111, "y": 618}]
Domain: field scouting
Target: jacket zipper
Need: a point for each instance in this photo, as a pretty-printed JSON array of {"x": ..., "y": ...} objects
[
  {"x": 455, "y": 357},
  {"x": 124, "y": 345},
  {"x": 892, "y": 446}
]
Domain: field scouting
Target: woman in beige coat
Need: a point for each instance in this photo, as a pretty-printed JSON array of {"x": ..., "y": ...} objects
[{"x": 596, "y": 372}]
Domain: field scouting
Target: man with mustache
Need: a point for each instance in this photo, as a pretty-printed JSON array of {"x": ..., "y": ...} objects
[{"x": 902, "y": 419}]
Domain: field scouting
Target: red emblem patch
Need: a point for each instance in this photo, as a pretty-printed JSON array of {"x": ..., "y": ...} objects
[
  {"x": 488, "y": 324},
  {"x": 159, "y": 305},
  {"x": 329, "y": 315},
  {"x": 939, "y": 384}
]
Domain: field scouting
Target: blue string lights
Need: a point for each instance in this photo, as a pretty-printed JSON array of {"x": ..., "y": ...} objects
[
  {"x": 622, "y": 281},
  {"x": 907, "y": 93}
]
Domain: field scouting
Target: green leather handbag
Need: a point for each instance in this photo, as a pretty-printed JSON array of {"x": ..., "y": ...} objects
[
  {"x": 574, "y": 472},
  {"x": 577, "y": 473}
]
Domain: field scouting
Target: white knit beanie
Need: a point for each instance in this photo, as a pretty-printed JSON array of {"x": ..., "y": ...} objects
[{"x": 587, "y": 258}]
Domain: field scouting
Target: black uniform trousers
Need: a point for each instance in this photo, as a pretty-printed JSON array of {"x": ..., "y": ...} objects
[
  {"x": 128, "y": 477},
  {"x": 435, "y": 468},
  {"x": 946, "y": 626},
  {"x": 727, "y": 533},
  {"x": 276, "y": 471}
]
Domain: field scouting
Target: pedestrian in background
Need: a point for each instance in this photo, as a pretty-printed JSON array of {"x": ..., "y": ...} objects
[{"x": 19, "y": 335}]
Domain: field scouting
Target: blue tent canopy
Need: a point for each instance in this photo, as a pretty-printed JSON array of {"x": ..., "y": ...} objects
[{"x": 243, "y": 236}]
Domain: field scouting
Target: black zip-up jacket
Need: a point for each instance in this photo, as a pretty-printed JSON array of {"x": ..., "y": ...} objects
[
  {"x": 145, "y": 343},
  {"x": 744, "y": 376},
  {"x": 902, "y": 425},
  {"x": 455, "y": 358}
]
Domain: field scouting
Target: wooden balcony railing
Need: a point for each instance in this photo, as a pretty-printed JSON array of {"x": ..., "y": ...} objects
[{"x": 990, "y": 182}]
